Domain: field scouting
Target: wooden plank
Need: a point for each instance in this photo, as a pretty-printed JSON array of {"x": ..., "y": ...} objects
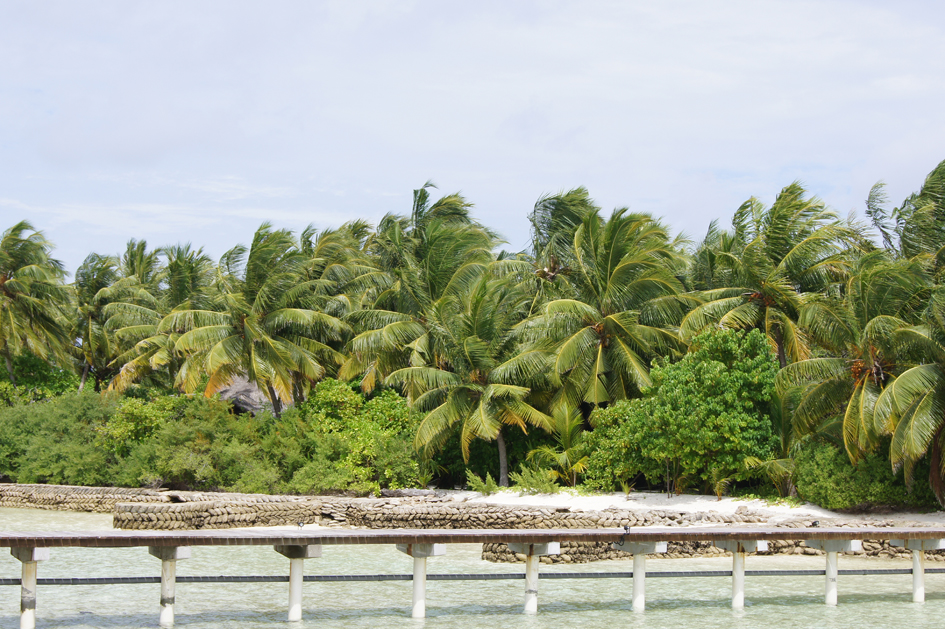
[{"x": 334, "y": 537}]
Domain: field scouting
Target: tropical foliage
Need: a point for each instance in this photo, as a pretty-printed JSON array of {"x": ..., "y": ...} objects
[{"x": 611, "y": 351}]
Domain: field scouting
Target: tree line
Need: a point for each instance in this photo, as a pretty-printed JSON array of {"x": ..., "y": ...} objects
[{"x": 480, "y": 340}]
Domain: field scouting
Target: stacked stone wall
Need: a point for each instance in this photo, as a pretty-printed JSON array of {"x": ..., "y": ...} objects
[
  {"x": 71, "y": 498},
  {"x": 168, "y": 510}
]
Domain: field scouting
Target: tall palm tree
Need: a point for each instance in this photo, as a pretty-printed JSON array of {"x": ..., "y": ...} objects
[
  {"x": 912, "y": 407},
  {"x": 32, "y": 296},
  {"x": 775, "y": 257},
  {"x": 266, "y": 329},
  {"x": 452, "y": 375},
  {"x": 97, "y": 284},
  {"x": 881, "y": 297},
  {"x": 438, "y": 250},
  {"x": 917, "y": 226},
  {"x": 184, "y": 283},
  {"x": 625, "y": 300}
]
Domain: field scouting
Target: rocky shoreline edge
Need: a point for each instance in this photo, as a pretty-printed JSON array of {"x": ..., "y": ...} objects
[{"x": 177, "y": 510}]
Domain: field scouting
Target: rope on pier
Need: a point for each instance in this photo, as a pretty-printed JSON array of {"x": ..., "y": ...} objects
[{"x": 331, "y": 578}]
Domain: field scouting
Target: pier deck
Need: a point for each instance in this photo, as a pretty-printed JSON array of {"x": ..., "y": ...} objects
[{"x": 338, "y": 537}]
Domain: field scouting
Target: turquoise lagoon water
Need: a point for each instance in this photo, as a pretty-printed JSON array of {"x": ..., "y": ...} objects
[{"x": 703, "y": 603}]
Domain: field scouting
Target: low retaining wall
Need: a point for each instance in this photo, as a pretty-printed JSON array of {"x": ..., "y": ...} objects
[{"x": 70, "y": 498}]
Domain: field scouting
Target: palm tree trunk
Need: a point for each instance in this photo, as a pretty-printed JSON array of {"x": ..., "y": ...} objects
[
  {"x": 85, "y": 376},
  {"x": 10, "y": 369},
  {"x": 779, "y": 343},
  {"x": 935, "y": 474},
  {"x": 276, "y": 402},
  {"x": 503, "y": 460}
]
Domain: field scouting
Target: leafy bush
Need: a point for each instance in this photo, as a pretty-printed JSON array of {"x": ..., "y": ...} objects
[
  {"x": 824, "y": 476},
  {"x": 336, "y": 441},
  {"x": 701, "y": 419},
  {"x": 485, "y": 487},
  {"x": 34, "y": 376},
  {"x": 353, "y": 444},
  {"x": 56, "y": 441},
  {"x": 532, "y": 481}
]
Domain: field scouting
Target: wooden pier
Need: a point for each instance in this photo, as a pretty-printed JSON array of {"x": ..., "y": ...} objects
[{"x": 297, "y": 545}]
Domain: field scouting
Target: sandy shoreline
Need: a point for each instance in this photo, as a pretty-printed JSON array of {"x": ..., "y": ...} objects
[{"x": 686, "y": 503}]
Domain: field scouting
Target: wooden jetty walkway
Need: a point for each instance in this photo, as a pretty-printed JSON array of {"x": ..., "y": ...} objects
[{"x": 298, "y": 545}]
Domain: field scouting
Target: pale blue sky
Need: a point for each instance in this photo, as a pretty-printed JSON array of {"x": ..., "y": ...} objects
[{"x": 195, "y": 121}]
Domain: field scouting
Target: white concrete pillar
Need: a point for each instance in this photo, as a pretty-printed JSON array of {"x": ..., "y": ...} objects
[
  {"x": 640, "y": 550},
  {"x": 28, "y": 557},
  {"x": 833, "y": 547},
  {"x": 296, "y": 556},
  {"x": 918, "y": 576},
  {"x": 420, "y": 552},
  {"x": 169, "y": 555},
  {"x": 830, "y": 593},
  {"x": 739, "y": 548},
  {"x": 918, "y": 548},
  {"x": 738, "y": 580},
  {"x": 419, "y": 608},
  {"x": 533, "y": 553}
]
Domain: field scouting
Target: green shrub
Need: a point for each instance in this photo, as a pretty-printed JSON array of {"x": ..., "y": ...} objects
[
  {"x": 701, "y": 419},
  {"x": 353, "y": 444},
  {"x": 485, "y": 487},
  {"x": 530, "y": 481},
  {"x": 55, "y": 441},
  {"x": 824, "y": 476},
  {"x": 135, "y": 419},
  {"x": 336, "y": 441}
]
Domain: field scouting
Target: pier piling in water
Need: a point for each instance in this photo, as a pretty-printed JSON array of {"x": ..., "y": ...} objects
[
  {"x": 28, "y": 557},
  {"x": 296, "y": 555},
  {"x": 169, "y": 556},
  {"x": 533, "y": 554},
  {"x": 640, "y": 550},
  {"x": 738, "y": 548},
  {"x": 420, "y": 553},
  {"x": 833, "y": 547},
  {"x": 918, "y": 548}
]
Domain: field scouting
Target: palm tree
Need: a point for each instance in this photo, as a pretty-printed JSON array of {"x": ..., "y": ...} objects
[
  {"x": 184, "y": 283},
  {"x": 773, "y": 258},
  {"x": 912, "y": 407},
  {"x": 437, "y": 251},
  {"x": 97, "y": 284},
  {"x": 567, "y": 458},
  {"x": 624, "y": 302},
  {"x": 32, "y": 297},
  {"x": 917, "y": 226},
  {"x": 266, "y": 329},
  {"x": 881, "y": 297},
  {"x": 453, "y": 376}
]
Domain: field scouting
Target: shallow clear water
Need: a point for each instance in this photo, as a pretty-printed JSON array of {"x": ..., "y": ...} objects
[{"x": 865, "y": 601}]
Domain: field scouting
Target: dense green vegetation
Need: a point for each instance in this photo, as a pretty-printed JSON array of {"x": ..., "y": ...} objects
[{"x": 795, "y": 351}]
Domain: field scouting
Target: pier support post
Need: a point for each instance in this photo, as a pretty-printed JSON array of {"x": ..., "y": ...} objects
[
  {"x": 297, "y": 555},
  {"x": 640, "y": 550},
  {"x": 833, "y": 547},
  {"x": 169, "y": 556},
  {"x": 28, "y": 557},
  {"x": 420, "y": 552},
  {"x": 533, "y": 553},
  {"x": 918, "y": 548},
  {"x": 738, "y": 548}
]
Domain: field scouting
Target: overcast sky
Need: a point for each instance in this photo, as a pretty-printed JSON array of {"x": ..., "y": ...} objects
[{"x": 196, "y": 121}]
